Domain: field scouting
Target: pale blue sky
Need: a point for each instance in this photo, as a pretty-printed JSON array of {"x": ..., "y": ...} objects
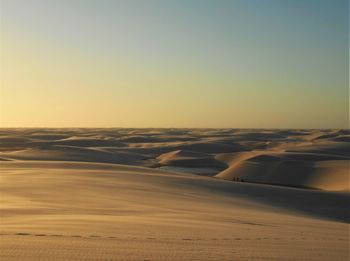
[{"x": 238, "y": 63}]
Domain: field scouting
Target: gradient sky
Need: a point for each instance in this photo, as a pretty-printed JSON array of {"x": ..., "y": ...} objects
[{"x": 179, "y": 63}]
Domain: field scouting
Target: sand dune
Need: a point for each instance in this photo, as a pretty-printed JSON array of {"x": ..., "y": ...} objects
[
  {"x": 284, "y": 169},
  {"x": 128, "y": 194},
  {"x": 331, "y": 148},
  {"x": 288, "y": 169},
  {"x": 280, "y": 157},
  {"x": 185, "y": 158},
  {"x": 97, "y": 204}
]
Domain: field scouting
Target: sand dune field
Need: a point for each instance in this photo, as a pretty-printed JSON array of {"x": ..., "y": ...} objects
[{"x": 174, "y": 194}]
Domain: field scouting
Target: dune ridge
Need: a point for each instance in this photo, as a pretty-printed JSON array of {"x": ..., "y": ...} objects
[{"x": 299, "y": 158}]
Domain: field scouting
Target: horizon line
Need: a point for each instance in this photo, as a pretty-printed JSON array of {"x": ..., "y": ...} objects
[{"x": 238, "y": 128}]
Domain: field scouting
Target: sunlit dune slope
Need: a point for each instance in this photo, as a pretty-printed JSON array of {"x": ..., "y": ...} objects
[{"x": 105, "y": 210}]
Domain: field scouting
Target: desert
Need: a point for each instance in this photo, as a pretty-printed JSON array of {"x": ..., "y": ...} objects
[
  {"x": 174, "y": 194},
  {"x": 177, "y": 130}
]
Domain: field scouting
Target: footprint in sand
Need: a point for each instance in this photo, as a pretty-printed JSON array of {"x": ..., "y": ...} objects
[{"x": 23, "y": 234}]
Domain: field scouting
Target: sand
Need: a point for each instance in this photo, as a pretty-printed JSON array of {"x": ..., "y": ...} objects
[{"x": 103, "y": 194}]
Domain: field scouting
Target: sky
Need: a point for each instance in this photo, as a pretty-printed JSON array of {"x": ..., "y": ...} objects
[{"x": 175, "y": 63}]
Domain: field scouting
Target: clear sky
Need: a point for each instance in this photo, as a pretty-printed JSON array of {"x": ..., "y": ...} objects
[{"x": 174, "y": 63}]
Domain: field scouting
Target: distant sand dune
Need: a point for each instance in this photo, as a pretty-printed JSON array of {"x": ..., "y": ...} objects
[{"x": 280, "y": 157}]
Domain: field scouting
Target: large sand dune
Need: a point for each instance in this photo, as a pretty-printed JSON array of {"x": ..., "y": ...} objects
[{"x": 171, "y": 194}]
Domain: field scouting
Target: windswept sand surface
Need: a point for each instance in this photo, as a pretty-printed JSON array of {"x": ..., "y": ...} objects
[{"x": 174, "y": 194}]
